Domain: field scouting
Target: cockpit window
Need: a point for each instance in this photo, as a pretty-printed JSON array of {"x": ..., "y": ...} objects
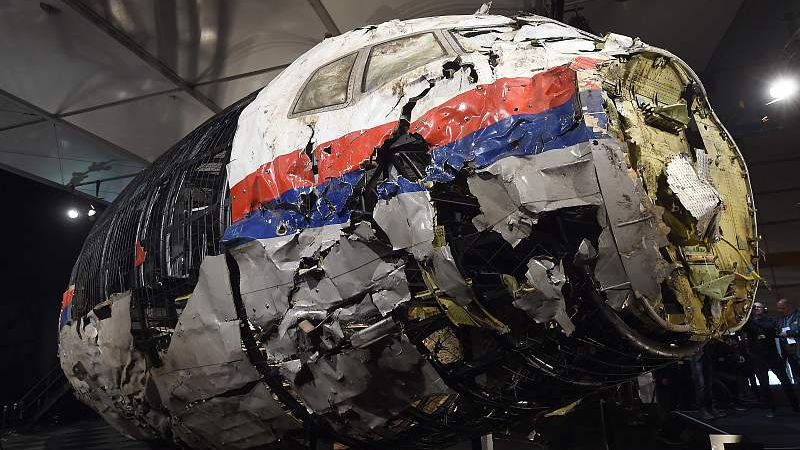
[
  {"x": 327, "y": 87},
  {"x": 394, "y": 58}
]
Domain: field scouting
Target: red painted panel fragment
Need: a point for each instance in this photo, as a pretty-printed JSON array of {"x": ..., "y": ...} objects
[
  {"x": 487, "y": 104},
  {"x": 66, "y": 298},
  {"x": 141, "y": 254}
]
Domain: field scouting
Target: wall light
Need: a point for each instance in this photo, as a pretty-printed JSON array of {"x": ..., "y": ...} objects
[
  {"x": 73, "y": 213},
  {"x": 782, "y": 88}
]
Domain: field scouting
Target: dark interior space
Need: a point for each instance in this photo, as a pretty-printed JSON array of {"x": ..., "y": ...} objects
[{"x": 41, "y": 244}]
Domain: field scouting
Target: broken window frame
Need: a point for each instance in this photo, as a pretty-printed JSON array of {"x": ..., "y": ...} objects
[
  {"x": 451, "y": 35},
  {"x": 349, "y": 99},
  {"x": 437, "y": 35}
]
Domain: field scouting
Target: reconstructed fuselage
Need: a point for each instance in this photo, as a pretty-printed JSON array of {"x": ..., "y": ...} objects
[{"x": 419, "y": 231}]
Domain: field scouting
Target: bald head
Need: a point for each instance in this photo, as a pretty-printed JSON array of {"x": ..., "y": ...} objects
[{"x": 784, "y": 307}]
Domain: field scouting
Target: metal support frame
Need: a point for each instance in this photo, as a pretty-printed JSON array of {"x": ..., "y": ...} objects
[
  {"x": 102, "y": 180},
  {"x": 53, "y": 184},
  {"x": 76, "y": 112},
  {"x": 123, "y": 39},
  {"x": 325, "y": 17},
  {"x": 99, "y": 181},
  {"x": 46, "y": 116}
]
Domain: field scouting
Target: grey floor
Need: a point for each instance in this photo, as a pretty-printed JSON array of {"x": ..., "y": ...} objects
[{"x": 93, "y": 434}]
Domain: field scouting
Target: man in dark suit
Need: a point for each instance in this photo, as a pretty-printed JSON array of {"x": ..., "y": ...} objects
[
  {"x": 789, "y": 332},
  {"x": 761, "y": 334}
]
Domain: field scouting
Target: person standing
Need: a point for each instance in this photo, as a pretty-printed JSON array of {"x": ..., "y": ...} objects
[
  {"x": 700, "y": 364},
  {"x": 761, "y": 333},
  {"x": 789, "y": 332}
]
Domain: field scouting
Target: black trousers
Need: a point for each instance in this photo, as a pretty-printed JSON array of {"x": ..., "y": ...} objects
[
  {"x": 702, "y": 380},
  {"x": 775, "y": 363},
  {"x": 790, "y": 356}
]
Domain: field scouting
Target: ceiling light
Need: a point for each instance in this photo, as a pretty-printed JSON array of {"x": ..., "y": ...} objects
[
  {"x": 92, "y": 211},
  {"x": 782, "y": 88},
  {"x": 73, "y": 213}
]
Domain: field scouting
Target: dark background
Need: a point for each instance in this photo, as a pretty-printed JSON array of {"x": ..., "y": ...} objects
[{"x": 40, "y": 244}]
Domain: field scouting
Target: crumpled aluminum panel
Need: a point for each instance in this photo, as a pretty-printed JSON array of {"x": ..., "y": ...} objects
[
  {"x": 635, "y": 224},
  {"x": 342, "y": 385},
  {"x": 251, "y": 420},
  {"x": 205, "y": 356},
  {"x": 107, "y": 373}
]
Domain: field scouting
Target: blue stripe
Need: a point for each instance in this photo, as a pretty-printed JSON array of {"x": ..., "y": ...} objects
[
  {"x": 390, "y": 188},
  {"x": 65, "y": 314},
  {"x": 285, "y": 216},
  {"x": 519, "y": 135}
]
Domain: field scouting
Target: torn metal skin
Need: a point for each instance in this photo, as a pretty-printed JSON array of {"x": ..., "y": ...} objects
[{"x": 430, "y": 251}]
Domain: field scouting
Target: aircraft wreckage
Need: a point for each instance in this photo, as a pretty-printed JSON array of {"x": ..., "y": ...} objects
[{"x": 418, "y": 232}]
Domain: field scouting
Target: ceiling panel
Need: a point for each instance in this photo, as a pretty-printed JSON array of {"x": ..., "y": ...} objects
[
  {"x": 12, "y": 113},
  {"x": 45, "y": 167},
  {"x": 54, "y": 152},
  {"x": 146, "y": 127},
  {"x": 61, "y": 62},
  {"x": 77, "y": 145},
  {"x": 209, "y": 39},
  {"x": 36, "y": 139}
]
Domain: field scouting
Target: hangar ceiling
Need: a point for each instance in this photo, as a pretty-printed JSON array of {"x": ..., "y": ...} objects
[{"x": 97, "y": 89}]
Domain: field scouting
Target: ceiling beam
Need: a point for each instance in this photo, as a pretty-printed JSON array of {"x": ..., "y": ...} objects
[
  {"x": 325, "y": 17},
  {"x": 123, "y": 39},
  {"x": 76, "y": 112},
  {"x": 23, "y": 124},
  {"x": 53, "y": 184},
  {"x": 239, "y": 76},
  {"x": 59, "y": 121}
]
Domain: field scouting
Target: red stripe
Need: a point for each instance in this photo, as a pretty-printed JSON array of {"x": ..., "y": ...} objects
[
  {"x": 583, "y": 63},
  {"x": 487, "y": 104},
  {"x": 344, "y": 154},
  {"x": 66, "y": 297},
  {"x": 456, "y": 118},
  {"x": 285, "y": 172}
]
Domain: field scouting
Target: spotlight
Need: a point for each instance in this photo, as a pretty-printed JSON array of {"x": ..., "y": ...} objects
[
  {"x": 91, "y": 211},
  {"x": 73, "y": 213},
  {"x": 782, "y": 88}
]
